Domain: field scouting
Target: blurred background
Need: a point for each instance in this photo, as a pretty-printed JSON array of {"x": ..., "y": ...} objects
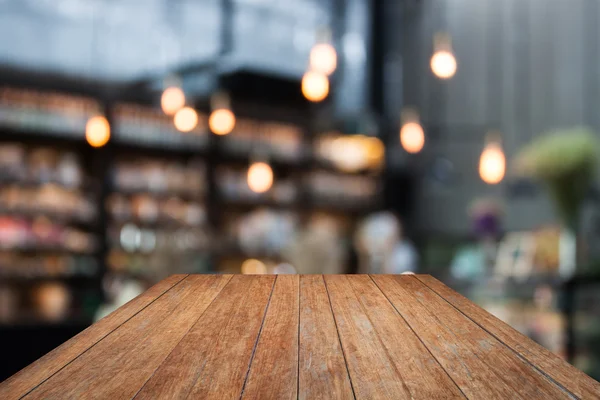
[{"x": 451, "y": 137}]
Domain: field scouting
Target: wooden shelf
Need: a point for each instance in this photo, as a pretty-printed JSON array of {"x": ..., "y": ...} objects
[
  {"x": 76, "y": 279},
  {"x": 37, "y": 248},
  {"x": 54, "y": 216}
]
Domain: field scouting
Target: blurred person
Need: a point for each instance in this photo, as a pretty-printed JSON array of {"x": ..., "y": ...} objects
[
  {"x": 318, "y": 249},
  {"x": 381, "y": 247},
  {"x": 476, "y": 260}
]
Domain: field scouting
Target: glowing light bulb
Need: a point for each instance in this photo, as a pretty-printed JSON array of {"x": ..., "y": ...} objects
[
  {"x": 186, "y": 119},
  {"x": 252, "y": 266},
  {"x": 412, "y": 137},
  {"x": 172, "y": 100},
  {"x": 443, "y": 64},
  {"x": 221, "y": 121},
  {"x": 492, "y": 164},
  {"x": 260, "y": 177},
  {"x": 323, "y": 58},
  {"x": 97, "y": 131},
  {"x": 349, "y": 153},
  {"x": 315, "y": 86}
]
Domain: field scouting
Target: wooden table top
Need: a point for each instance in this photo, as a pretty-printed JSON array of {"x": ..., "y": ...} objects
[{"x": 306, "y": 337}]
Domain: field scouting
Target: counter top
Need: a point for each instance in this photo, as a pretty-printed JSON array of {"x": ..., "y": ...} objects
[{"x": 300, "y": 336}]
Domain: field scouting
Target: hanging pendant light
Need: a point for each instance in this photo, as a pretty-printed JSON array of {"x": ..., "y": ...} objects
[
  {"x": 260, "y": 177},
  {"x": 97, "y": 131},
  {"x": 492, "y": 163},
  {"x": 97, "y": 128},
  {"x": 443, "y": 63},
  {"x": 322, "y": 62},
  {"x": 323, "y": 57},
  {"x": 412, "y": 136},
  {"x": 173, "y": 98},
  {"x": 315, "y": 86},
  {"x": 221, "y": 120},
  {"x": 186, "y": 119}
]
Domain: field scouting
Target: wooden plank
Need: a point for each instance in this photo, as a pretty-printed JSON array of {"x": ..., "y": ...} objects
[
  {"x": 323, "y": 373},
  {"x": 274, "y": 370},
  {"x": 118, "y": 366},
  {"x": 373, "y": 373},
  {"x": 212, "y": 361},
  {"x": 33, "y": 375},
  {"x": 414, "y": 369},
  {"x": 422, "y": 375},
  {"x": 558, "y": 369},
  {"x": 480, "y": 365}
]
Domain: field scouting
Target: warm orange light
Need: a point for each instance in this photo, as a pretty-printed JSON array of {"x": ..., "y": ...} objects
[
  {"x": 375, "y": 151},
  {"x": 221, "y": 121},
  {"x": 172, "y": 100},
  {"x": 323, "y": 58},
  {"x": 443, "y": 64},
  {"x": 492, "y": 164},
  {"x": 97, "y": 131},
  {"x": 252, "y": 266},
  {"x": 260, "y": 177},
  {"x": 412, "y": 137},
  {"x": 186, "y": 119},
  {"x": 315, "y": 86},
  {"x": 349, "y": 153}
]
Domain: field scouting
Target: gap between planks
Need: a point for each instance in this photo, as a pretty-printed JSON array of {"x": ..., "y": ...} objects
[
  {"x": 535, "y": 367},
  {"x": 104, "y": 337},
  {"x": 262, "y": 324},
  {"x": 174, "y": 347},
  {"x": 339, "y": 337},
  {"x": 256, "y": 342},
  {"x": 418, "y": 337}
]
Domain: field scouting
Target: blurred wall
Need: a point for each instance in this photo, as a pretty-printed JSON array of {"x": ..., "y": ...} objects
[
  {"x": 523, "y": 67},
  {"x": 126, "y": 39}
]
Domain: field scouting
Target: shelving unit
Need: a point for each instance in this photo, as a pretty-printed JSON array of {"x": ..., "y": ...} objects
[
  {"x": 49, "y": 245},
  {"x": 283, "y": 138}
]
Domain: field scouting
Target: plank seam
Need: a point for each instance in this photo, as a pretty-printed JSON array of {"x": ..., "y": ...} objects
[
  {"x": 186, "y": 333},
  {"x": 339, "y": 337},
  {"x": 535, "y": 367},
  {"x": 383, "y": 346},
  {"x": 418, "y": 337},
  {"x": 262, "y": 324},
  {"x": 450, "y": 329},
  {"x": 103, "y": 337}
]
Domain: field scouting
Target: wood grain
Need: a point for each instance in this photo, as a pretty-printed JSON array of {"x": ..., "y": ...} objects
[
  {"x": 480, "y": 365},
  {"x": 420, "y": 372},
  {"x": 561, "y": 371},
  {"x": 212, "y": 361},
  {"x": 274, "y": 370},
  {"x": 322, "y": 372},
  {"x": 305, "y": 337},
  {"x": 376, "y": 373},
  {"x": 118, "y": 366},
  {"x": 33, "y": 375}
]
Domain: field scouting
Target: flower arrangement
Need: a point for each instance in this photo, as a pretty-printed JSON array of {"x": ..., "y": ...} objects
[{"x": 565, "y": 161}]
